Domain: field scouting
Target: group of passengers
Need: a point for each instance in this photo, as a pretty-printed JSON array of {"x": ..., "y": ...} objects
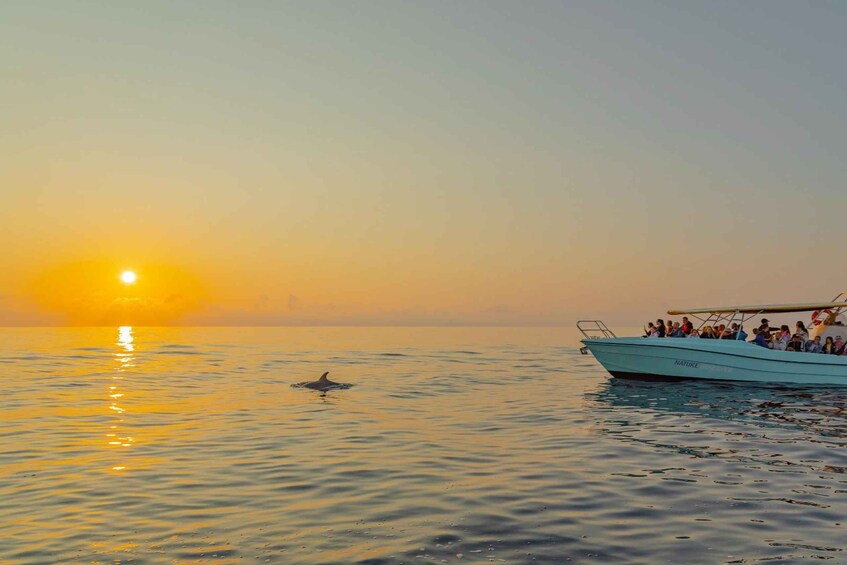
[
  {"x": 686, "y": 329},
  {"x": 781, "y": 339}
]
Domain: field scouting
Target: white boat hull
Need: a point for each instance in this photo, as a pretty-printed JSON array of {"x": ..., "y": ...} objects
[{"x": 723, "y": 360}]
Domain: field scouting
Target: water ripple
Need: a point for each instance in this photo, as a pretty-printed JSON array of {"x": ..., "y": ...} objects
[{"x": 190, "y": 445}]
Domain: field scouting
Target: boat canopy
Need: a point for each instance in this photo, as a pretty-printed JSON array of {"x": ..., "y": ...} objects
[{"x": 763, "y": 309}]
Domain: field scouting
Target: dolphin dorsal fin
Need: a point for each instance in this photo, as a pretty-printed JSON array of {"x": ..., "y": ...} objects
[{"x": 323, "y": 377}]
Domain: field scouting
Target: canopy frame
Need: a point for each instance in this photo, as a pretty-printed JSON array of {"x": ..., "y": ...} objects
[
  {"x": 766, "y": 308},
  {"x": 729, "y": 314}
]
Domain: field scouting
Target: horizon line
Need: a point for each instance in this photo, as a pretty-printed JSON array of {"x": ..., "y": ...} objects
[{"x": 448, "y": 325}]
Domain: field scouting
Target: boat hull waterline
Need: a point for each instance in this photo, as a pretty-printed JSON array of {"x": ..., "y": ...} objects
[{"x": 723, "y": 360}]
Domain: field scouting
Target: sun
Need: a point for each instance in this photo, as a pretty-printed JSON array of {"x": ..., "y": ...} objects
[{"x": 128, "y": 277}]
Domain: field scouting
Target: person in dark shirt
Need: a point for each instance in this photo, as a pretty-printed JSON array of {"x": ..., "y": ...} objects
[
  {"x": 800, "y": 329},
  {"x": 828, "y": 346},
  {"x": 660, "y": 325},
  {"x": 686, "y": 325},
  {"x": 761, "y": 339}
]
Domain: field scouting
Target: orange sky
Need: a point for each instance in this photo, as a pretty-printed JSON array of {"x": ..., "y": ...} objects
[{"x": 413, "y": 163}]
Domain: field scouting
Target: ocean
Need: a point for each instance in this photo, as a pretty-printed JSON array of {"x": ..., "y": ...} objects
[{"x": 454, "y": 445}]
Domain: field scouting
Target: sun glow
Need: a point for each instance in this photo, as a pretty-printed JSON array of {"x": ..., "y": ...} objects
[{"x": 128, "y": 277}]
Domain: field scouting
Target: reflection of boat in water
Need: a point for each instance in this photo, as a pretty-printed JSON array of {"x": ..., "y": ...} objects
[
  {"x": 817, "y": 410},
  {"x": 721, "y": 359}
]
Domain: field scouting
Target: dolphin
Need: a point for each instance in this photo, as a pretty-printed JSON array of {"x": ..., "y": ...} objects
[{"x": 323, "y": 384}]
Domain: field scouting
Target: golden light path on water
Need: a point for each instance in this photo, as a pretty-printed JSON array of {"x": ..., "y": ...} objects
[{"x": 125, "y": 357}]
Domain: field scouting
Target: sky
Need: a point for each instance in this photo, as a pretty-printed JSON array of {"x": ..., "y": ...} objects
[{"x": 418, "y": 163}]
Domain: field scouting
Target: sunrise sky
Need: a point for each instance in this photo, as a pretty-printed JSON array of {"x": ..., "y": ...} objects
[{"x": 417, "y": 162}]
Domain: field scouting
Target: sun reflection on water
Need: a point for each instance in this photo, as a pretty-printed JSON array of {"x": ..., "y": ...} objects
[{"x": 125, "y": 357}]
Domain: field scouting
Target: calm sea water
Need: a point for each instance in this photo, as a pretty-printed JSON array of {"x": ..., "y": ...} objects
[{"x": 151, "y": 445}]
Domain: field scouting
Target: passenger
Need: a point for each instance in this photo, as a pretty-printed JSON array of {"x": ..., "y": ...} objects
[
  {"x": 660, "y": 327},
  {"x": 765, "y": 327},
  {"x": 762, "y": 339},
  {"x": 796, "y": 343},
  {"x": 676, "y": 331},
  {"x": 707, "y": 333},
  {"x": 780, "y": 339},
  {"x": 686, "y": 326},
  {"x": 740, "y": 334},
  {"x": 650, "y": 330},
  {"x": 800, "y": 329},
  {"x": 828, "y": 346},
  {"x": 668, "y": 329},
  {"x": 814, "y": 346},
  {"x": 694, "y": 334},
  {"x": 719, "y": 331},
  {"x": 785, "y": 332},
  {"x": 839, "y": 345},
  {"x": 733, "y": 331},
  {"x": 755, "y": 335}
]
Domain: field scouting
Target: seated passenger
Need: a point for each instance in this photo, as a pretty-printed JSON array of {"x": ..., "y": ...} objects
[
  {"x": 676, "y": 331},
  {"x": 660, "y": 327},
  {"x": 686, "y": 326},
  {"x": 814, "y": 345},
  {"x": 732, "y": 332},
  {"x": 783, "y": 337},
  {"x": 694, "y": 334},
  {"x": 839, "y": 345},
  {"x": 668, "y": 328},
  {"x": 650, "y": 330},
  {"x": 740, "y": 334},
  {"x": 796, "y": 343},
  {"x": 780, "y": 340},
  {"x": 828, "y": 346},
  {"x": 707, "y": 333}
]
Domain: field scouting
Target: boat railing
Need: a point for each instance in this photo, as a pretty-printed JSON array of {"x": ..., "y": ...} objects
[{"x": 594, "y": 328}]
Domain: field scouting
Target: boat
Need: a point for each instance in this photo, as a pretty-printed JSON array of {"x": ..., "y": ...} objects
[{"x": 723, "y": 359}]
